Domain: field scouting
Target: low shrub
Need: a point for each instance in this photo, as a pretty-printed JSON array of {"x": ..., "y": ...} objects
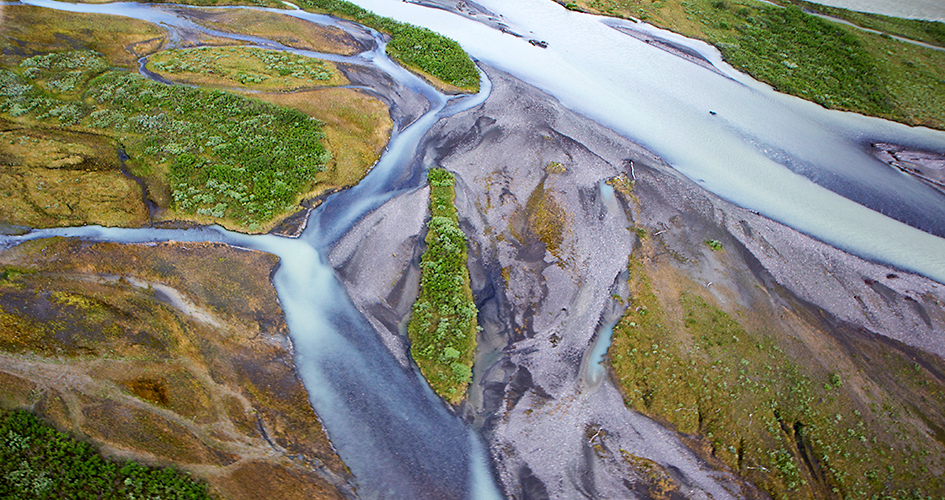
[
  {"x": 443, "y": 325},
  {"x": 413, "y": 46},
  {"x": 37, "y": 461}
]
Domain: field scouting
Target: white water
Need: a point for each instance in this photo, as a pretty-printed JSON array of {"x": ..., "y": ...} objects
[
  {"x": 742, "y": 153},
  {"x": 933, "y": 10}
]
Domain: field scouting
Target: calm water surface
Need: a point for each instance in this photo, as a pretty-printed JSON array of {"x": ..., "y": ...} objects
[
  {"x": 933, "y": 10},
  {"x": 786, "y": 158}
]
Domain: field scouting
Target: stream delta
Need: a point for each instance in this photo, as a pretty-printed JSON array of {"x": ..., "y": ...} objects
[
  {"x": 781, "y": 157},
  {"x": 387, "y": 425}
]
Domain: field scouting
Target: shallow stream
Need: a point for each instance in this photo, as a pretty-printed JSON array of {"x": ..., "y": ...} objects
[
  {"x": 395, "y": 435},
  {"x": 783, "y": 157}
]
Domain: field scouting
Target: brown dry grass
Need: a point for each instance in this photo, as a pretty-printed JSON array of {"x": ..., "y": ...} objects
[
  {"x": 108, "y": 359},
  {"x": 357, "y": 127},
  {"x": 26, "y": 31},
  {"x": 55, "y": 178},
  {"x": 286, "y": 30}
]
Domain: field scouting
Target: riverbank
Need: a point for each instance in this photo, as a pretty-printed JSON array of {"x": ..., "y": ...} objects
[
  {"x": 169, "y": 354},
  {"x": 834, "y": 65}
]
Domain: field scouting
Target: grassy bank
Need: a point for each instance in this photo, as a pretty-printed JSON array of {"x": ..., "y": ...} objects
[
  {"x": 759, "y": 402},
  {"x": 443, "y": 324},
  {"x": 37, "y": 461},
  {"x": 836, "y": 66},
  {"x": 203, "y": 155},
  {"x": 931, "y": 32},
  {"x": 90, "y": 342},
  {"x": 434, "y": 55}
]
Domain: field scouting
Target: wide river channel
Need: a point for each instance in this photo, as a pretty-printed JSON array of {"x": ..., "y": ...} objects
[{"x": 788, "y": 159}]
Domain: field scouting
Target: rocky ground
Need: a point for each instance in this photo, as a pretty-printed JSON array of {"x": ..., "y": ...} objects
[{"x": 550, "y": 244}]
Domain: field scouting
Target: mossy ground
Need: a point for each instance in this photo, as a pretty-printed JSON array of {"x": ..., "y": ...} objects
[
  {"x": 177, "y": 188},
  {"x": 796, "y": 409},
  {"x": 50, "y": 177},
  {"x": 543, "y": 219},
  {"x": 88, "y": 341},
  {"x": 27, "y": 31},
  {"x": 828, "y": 63}
]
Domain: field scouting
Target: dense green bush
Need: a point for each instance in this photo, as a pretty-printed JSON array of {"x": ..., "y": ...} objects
[
  {"x": 804, "y": 55},
  {"x": 932, "y": 32},
  {"x": 832, "y": 64},
  {"x": 229, "y": 156},
  {"x": 412, "y": 45},
  {"x": 36, "y": 461},
  {"x": 247, "y": 65},
  {"x": 443, "y": 324}
]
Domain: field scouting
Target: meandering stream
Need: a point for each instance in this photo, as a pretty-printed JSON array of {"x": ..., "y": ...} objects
[
  {"x": 394, "y": 434},
  {"x": 785, "y": 158}
]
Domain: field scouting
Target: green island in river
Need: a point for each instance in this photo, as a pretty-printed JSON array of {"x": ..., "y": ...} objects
[{"x": 210, "y": 389}]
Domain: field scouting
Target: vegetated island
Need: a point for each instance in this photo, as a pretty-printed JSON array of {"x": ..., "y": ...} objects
[
  {"x": 436, "y": 57},
  {"x": 74, "y": 121},
  {"x": 443, "y": 325},
  {"x": 836, "y": 65}
]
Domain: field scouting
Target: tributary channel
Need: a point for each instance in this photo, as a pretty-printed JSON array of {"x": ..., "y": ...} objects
[
  {"x": 391, "y": 430},
  {"x": 788, "y": 159}
]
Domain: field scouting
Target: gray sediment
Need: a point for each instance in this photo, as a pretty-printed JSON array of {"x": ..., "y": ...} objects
[{"x": 550, "y": 432}]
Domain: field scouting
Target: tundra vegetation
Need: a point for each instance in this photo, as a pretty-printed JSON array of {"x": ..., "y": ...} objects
[
  {"x": 216, "y": 154},
  {"x": 287, "y": 30},
  {"x": 244, "y": 68},
  {"x": 756, "y": 400},
  {"x": 37, "y": 461},
  {"x": 443, "y": 324},
  {"x": 90, "y": 342},
  {"x": 203, "y": 155},
  {"x": 435, "y": 56},
  {"x": 834, "y": 65}
]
